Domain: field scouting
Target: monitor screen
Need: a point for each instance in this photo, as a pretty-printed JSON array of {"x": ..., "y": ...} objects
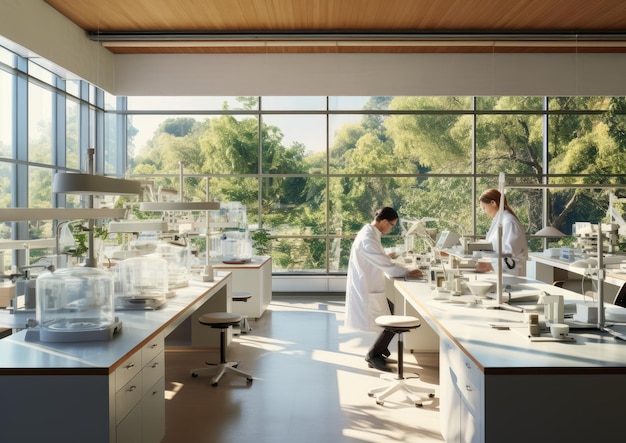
[{"x": 447, "y": 239}]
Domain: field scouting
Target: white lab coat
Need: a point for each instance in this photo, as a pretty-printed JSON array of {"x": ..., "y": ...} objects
[
  {"x": 513, "y": 242},
  {"x": 365, "y": 289}
]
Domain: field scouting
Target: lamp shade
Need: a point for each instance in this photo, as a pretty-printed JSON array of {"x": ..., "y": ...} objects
[
  {"x": 549, "y": 231},
  {"x": 77, "y": 183},
  {"x": 137, "y": 226},
  {"x": 28, "y": 214}
]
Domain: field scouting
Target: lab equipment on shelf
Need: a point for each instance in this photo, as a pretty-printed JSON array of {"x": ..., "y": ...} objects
[{"x": 587, "y": 237}]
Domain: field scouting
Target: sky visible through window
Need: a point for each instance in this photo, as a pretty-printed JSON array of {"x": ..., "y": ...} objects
[{"x": 296, "y": 129}]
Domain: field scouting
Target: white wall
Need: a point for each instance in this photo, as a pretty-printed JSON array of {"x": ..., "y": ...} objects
[
  {"x": 371, "y": 74},
  {"x": 34, "y": 29}
]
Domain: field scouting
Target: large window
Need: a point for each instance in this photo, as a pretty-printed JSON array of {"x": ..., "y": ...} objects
[{"x": 312, "y": 170}]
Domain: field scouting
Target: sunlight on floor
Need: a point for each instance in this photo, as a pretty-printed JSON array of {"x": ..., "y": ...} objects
[{"x": 171, "y": 393}]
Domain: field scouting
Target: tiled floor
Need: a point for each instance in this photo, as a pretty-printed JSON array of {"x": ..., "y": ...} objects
[{"x": 310, "y": 385}]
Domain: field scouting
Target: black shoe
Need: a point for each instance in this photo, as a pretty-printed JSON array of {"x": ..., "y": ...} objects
[
  {"x": 389, "y": 359},
  {"x": 386, "y": 357},
  {"x": 377, "y": 363}
]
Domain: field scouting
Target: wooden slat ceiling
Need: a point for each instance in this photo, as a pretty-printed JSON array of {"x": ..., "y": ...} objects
[{"x": 308, "y": 26}]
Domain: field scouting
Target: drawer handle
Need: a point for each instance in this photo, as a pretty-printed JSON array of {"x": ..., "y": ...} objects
[
  {"x": 129, "y": 366},
  {"x": 155, "y": 392},
  {"x": 155, "y": 345},
  {"x": 132, "y": 388},
  {"x": 467, "y": 365},
  {"x": 468, "y": 388},
  {"x": 154, "y": 365}
]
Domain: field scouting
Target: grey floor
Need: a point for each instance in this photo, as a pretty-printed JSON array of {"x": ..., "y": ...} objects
[{"x": 310, "y": 385}]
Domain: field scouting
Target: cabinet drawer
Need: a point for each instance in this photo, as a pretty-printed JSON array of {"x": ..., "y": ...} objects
[
  {"x": 153, "y": 371},
  {"x": 471, "y": 372},
  {"x": 152, "y": 349},
  {"x": 129, "y": 430},
  {"x": 127, "y": 370},
  {"x": 451, "y": 353},
  {"x": 127, "y": 397},
  {"x": 471, "y": 385}
]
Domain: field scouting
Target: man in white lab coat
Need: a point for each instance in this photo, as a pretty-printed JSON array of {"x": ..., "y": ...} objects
[{"x": 365, "y": 290}]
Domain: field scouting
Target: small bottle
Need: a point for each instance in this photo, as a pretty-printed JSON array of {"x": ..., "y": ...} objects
[{"x": 533, "y": 325}]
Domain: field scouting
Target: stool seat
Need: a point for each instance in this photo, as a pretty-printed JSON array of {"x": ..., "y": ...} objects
[
  {"x": 241, "y": 296},
  {"x": 398, "y": 321},
  {"x": 219, "y": 319}
]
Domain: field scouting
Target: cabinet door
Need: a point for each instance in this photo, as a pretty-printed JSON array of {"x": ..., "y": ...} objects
[
  {"x": 470, "y": 432},
  {"x": 153, "y": 406},
  {"x": 449, "y": 395},
  {"x": 461, "y": 395},
  {"x": 129, "y": 429},
  {"x": 451, "y": 404}
]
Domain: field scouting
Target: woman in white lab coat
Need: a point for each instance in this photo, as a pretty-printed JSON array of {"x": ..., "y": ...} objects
[
  {"x": 513, "y": 235},
  {"x": 365, "y": 290}
]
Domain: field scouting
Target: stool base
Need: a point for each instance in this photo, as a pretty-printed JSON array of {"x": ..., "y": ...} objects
[
  {"x": 219, "y": 370},
  {"x": 412, "y": 393}
]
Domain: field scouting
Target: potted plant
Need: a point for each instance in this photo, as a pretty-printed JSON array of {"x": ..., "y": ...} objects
[{"x": 261, "y": 241}]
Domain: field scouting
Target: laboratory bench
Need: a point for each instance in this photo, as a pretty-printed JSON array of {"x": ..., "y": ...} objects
[
  {"x": 496, "y": 385},
  {"x": 252, "y": 277},
  {"x": 104, "y": 391}
]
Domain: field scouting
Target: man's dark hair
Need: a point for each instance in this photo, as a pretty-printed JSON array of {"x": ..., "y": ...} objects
[{"x": 386, "y": 213}]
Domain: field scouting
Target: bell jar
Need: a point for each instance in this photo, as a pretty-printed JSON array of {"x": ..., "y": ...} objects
[
  {"x": 76, "y": 304},
  {"x": 179, "y": 260},
  {"x": 143, "y": 283}
]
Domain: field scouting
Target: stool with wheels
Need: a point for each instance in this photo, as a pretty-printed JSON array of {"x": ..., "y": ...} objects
[
  {"x": 221, "y": 321},
  {"x": 400, "y": 324}
]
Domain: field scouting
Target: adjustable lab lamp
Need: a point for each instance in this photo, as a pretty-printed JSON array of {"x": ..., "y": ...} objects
[{"x": 91, "y": 184}]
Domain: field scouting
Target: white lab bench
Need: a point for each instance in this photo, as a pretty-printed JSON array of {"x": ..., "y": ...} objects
[
  {"x": 103, "y": 391},
  {"x": 498, "y": 386},
  {"x": 255, "y": 278}
]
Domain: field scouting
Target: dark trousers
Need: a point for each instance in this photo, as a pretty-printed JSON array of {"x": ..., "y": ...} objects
[{"x": 381, "y": 345}]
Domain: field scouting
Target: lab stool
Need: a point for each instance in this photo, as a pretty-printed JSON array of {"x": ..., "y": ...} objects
[
  {"x": 221, "y": 321},
  {"x": 244, "y": 326},
  {"x": 399, "y": 324}
]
